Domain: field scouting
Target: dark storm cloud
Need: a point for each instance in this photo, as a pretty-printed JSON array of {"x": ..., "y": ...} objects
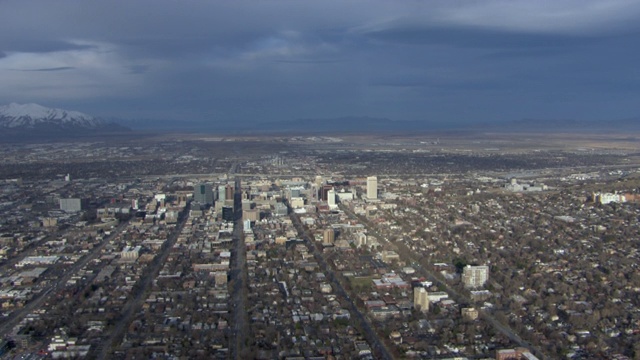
[
  {"x": 138, "y": 69},
  {"x": 62, "y": 68},
  {"x": 40, "y": 45},
  {"x": 476, "y": 38},
  {"x": 271, "y": 60},
  {"x": 310, "y": 61},
  {"x": 399, "y": 83}
]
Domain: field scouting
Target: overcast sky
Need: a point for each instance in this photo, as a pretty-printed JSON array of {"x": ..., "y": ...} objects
[{"x": 255, "y": 61}]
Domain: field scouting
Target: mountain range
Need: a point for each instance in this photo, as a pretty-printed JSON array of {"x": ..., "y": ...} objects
[
  {"x": 36, "y": 121},
  {"x": 375, "y": 125},
  {"x": 384, "y": 125},
  {"x": 33, "y": 120}
]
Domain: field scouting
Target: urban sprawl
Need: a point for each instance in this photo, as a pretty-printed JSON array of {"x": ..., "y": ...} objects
[{"x": 319, "y": 248}]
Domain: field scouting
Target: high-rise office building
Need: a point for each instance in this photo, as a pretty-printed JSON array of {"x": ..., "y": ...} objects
[
  {"x": 475, "y": 276},
  {"x": 227, "y": 213},
  {"x": 372, "y": 187},
  {"x": 324, "y": 192},
  {"x": 203, "y": 193},
  {"x": 222, "y": 193},
  {"x": 229, "y": 192},
  {"x": 316, "y": 188},
  {"x": 421, "y": 299},
  {"x": 329, "y": 237},
  {"x": 331, "y": 199}
]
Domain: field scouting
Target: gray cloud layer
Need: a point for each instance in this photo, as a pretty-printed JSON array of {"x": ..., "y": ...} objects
[{"x": 257, "y": 61}]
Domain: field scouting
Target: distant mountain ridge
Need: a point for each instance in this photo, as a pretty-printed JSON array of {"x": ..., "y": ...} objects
[
  {"x": 375, "y": 125},
  {"x": 344, "y": 125},
  {"x": 352, "y": 124},
  {"x": 37, "y": 120},
  {"x": 367, "y": 125},
  {"x": 578, "y": 126}
]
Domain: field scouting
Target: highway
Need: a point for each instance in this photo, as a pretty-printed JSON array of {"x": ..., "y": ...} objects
[{"x": 241, "y": 330}]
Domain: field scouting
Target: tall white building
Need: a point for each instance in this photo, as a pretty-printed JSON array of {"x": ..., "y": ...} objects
[
  {"x": 331, "y": 199},
  {"x": 372, "y": 187},
  {"x": 475, "y": 276},
  {"x": 222, "y": 191},
  {"x": 421, "y": 299}
]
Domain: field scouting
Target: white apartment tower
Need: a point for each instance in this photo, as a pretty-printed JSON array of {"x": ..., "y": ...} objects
[
  {"x": 372, "y": 187},
  {"x": 475, "y": 276},
  {"x": 71, "y": 205},
  {"x": 421, "y": 299}
]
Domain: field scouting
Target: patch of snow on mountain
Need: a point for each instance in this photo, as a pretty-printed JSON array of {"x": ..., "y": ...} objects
[{"x": 30, "y": 115}]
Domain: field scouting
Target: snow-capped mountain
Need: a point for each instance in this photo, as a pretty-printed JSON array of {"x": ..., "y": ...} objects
[{"x": 34, "y": 116}]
